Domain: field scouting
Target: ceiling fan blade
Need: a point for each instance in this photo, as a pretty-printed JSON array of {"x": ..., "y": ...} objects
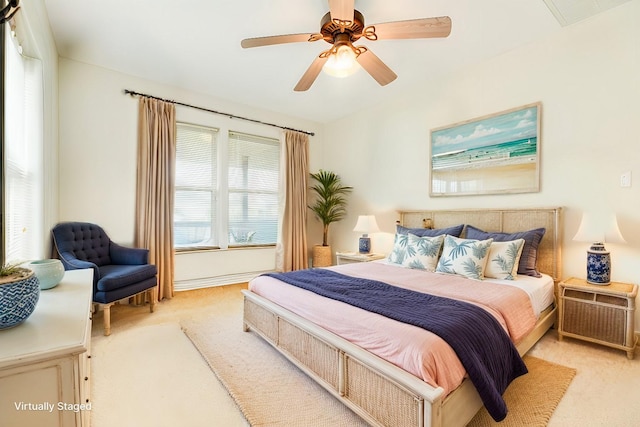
[
  {"x": 414, "y": 28},
  {"x": 311, "y": 74},
  {"x": 286, "y": 38},
  {"x": 341, "y": 10},
  {"x": 375, "y": 67}
]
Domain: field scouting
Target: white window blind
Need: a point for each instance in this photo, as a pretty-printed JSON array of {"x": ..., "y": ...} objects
[
  {"x": 226, "y": 192},
  {"x": 253, "y": 177},
  {"x": 23, "y": 158},
  {"x": 195, "y": 212}
]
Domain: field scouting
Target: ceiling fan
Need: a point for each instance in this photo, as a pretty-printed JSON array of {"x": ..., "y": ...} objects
[{"x": 341, "y": 27}]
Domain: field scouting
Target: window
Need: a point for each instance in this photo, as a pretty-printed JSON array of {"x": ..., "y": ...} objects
[
  {"x": 226, "y": 191},
  {"x": 194, "y": 218},
  {"x": 253, "y": 189},
  {"x": 22, "y": 154}
]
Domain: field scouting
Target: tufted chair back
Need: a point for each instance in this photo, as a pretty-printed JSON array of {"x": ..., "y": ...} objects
[
  {"x": 119, "y": 272},
  {"x": 86, "y": 241}
]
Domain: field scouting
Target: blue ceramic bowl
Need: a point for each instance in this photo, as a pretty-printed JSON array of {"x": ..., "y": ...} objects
[
  {"x": 48, "y": 271},
  {"x": 18, "y": 300}
]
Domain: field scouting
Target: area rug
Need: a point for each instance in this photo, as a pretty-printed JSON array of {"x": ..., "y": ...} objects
[
  {"x": 531, "y": 398},
  {"x": 268, "y": 389},
  {"x": 271, "y": 391}
]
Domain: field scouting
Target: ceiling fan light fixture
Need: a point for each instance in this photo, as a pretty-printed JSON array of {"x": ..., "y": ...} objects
[
  {"x": 341, "y": 27},
  {"x": 342, "y": 62}
]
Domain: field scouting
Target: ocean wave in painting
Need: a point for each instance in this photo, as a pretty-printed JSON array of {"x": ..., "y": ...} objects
[{"x": 505, "y": 153}]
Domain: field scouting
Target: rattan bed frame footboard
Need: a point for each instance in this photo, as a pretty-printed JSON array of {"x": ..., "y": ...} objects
[{"x": 380, "y": 392}]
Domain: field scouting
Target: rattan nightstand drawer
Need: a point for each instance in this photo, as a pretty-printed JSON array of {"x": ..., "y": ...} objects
[{"x": 599, "y": 314}]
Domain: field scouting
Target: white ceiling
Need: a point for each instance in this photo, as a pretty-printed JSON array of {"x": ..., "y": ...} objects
[{"x": 195, "y": 45}]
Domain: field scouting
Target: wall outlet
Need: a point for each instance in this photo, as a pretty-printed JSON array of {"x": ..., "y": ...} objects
[{"x": 625, "y": 179}]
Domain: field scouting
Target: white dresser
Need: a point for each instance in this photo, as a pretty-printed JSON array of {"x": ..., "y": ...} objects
[{"x": 44, "y": 362}]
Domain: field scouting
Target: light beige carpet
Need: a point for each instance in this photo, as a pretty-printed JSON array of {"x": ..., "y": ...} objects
[
  {"x": 152, "y": 376},
  {"x": 270, "y": 391}
]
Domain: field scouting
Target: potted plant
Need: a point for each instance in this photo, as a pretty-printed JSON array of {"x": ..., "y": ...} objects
[
  {"x": 329, "y": 206},
  {"x": 19, "y": 294}
]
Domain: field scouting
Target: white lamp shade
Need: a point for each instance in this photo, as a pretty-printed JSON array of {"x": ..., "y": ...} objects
[
  {"x": 594, "y": 228},
  {"x": 366, "y": 224}
]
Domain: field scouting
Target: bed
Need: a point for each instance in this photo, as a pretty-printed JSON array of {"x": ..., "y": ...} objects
[{"x": 376, "y": 387}]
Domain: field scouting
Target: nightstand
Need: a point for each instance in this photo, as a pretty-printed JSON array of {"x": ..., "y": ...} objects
[
  {"x": 351, "y": 257},
  {"x": 602, "y": 314}
]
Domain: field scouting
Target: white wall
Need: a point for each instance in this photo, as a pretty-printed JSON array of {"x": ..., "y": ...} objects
[
  {"x": 587, "y": 78},
  {"x": 98, "y": 137}
]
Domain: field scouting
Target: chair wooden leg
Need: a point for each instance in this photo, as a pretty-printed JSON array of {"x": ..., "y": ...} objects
[
  {"x": 152, "y": 298},
  {"x": 106, "y": 308}
]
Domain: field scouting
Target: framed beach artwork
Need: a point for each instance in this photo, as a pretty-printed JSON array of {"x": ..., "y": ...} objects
[{"x": 494, "y": 154}]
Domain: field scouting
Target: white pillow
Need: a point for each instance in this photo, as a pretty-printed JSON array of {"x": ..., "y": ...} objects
[
  {"x": 503, "y": 259},
  {"x": 465, "y": 257},
  {"x": 422, "y": 252}
]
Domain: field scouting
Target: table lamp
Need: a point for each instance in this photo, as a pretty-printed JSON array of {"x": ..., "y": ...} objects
[
  {"x": 366, "y": 224},
  {"x": 598, "y": 231}
]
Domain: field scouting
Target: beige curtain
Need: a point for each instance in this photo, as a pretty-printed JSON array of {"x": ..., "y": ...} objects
[
  {"x": 155, "y": 187},
  {"x": 292, "y": 246}
]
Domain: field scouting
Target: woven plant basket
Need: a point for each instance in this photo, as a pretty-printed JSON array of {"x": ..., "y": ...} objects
[{"x": 321, "y": 256}]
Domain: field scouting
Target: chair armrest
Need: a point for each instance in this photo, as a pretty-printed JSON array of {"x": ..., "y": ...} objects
[
  {"x": 70, "y": 262},
  {"x": 122, "y": 255}
]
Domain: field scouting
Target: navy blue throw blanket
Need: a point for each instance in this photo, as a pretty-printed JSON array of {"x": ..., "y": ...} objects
[{"x": 484, "y": 348}]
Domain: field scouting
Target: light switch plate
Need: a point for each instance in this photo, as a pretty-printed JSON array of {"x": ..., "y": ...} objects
[{"x": 625, "y": 179}]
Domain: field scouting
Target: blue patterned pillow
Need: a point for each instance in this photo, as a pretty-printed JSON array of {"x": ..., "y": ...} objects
[
  {"x": 465, "y": 257},
  {"x": 503, "y": 259},
  {"x": 529, "y": 257},
  {"x": 399, "y": 252},
  {"x": 456, "y": 230},
  {"x": 422, "y": 252}
]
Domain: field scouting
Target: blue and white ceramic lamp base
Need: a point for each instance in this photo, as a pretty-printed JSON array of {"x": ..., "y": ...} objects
[
  {"x": 364, "y": 245},
  {"x": 598, "y": 265}
]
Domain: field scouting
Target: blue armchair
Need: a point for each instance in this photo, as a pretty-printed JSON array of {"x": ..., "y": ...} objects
[{"x": 118, "y": 272}]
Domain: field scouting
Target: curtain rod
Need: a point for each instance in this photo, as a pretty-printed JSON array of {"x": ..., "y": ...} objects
[{"x": 231, "y": 116}]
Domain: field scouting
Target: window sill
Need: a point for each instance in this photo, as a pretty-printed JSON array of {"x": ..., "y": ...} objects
[{"x": 188, "y": 250}]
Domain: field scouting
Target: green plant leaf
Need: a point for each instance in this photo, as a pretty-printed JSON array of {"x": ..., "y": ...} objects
[{"x": 330, "y": 199}]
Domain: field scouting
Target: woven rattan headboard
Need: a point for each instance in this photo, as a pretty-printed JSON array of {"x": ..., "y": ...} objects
[{"x": 502, "y": 220}]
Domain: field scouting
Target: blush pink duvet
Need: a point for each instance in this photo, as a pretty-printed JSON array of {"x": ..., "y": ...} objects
[{"x": 413, "y": 349}]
